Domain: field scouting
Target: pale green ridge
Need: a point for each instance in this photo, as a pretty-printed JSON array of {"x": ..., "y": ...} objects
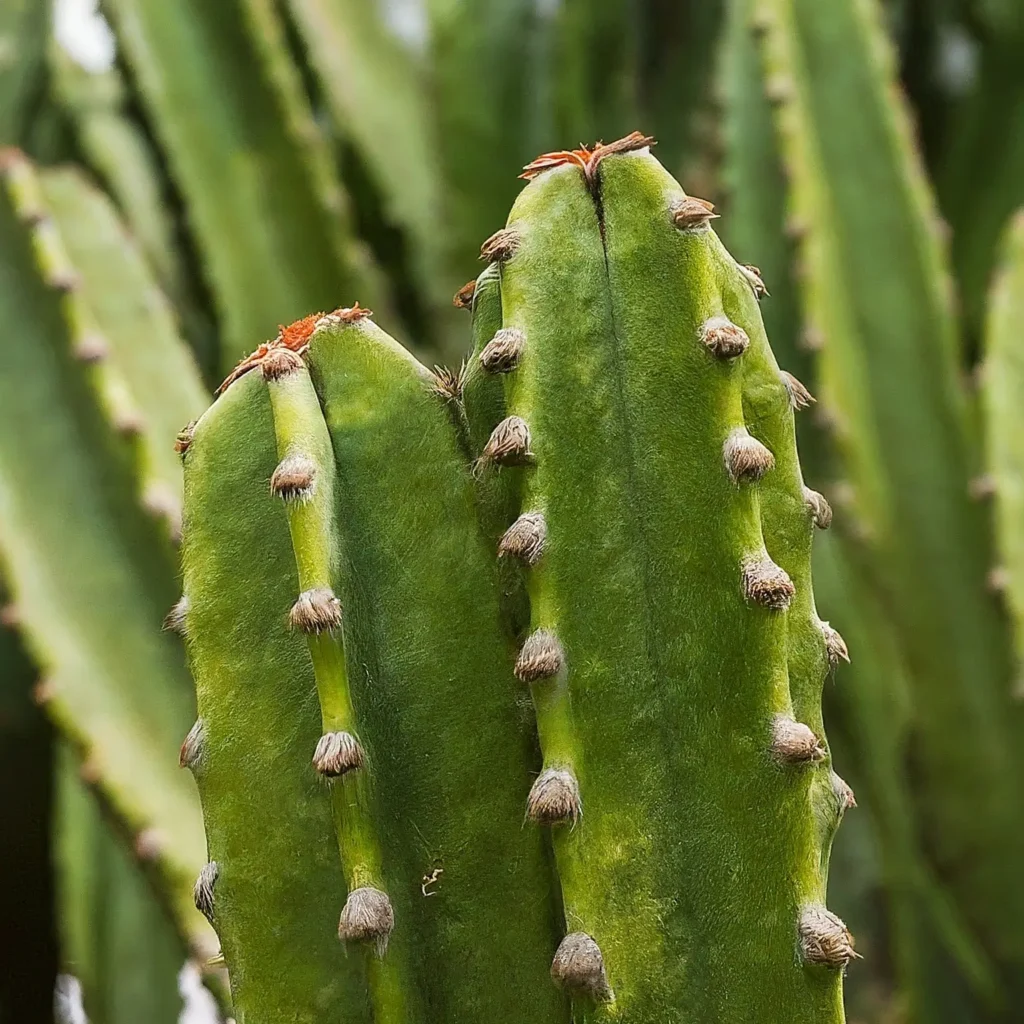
[
  {"x": 137, "y": 326},
  {"x": 301, "y": 432},
  {"x": 1003, "y": 386}
]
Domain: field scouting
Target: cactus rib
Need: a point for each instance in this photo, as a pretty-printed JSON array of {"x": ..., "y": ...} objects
[{"x": 367, "y": 914}]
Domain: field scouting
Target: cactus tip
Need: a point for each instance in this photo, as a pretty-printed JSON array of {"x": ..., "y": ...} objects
[
  {"x": 501, "y": 354},
  {"x": 202, "y": 891},
  {"x": 294, "y": 479},
  {"x": 367, "y": 917},
  {"x": 723, "y": 338},
  {"x": 587, "y": 158},
  {"x": 193, "y": 746},
  {"x": 824, "y": 938},
  {"x": 554, "y": 798},
  {"x": 541, "y": 657},
  {"x": 316, "y": 611},
  {"x": 338, "y": 753},
  {"x": 746, "y": 458},
  {"x": 525, "y": 538},
  {"x": 795, "y": 743},
  {"x": 578, "y": 966}
]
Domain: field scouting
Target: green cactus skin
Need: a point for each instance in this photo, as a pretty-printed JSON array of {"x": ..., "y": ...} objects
[
  {"x": 449, "y": 777},
  {"x": 619, "y": 462},
  {"x": 650, "y": 618},
  {"x": 448, "y": 744},
  {"x": 228, "y": 107},
  {"x": 876, "y": 290},
  {"x": 279, "y": 883},
  {"x": 24, "y": 26},
  {"x": 374, "y": 87},
  {"x": 1003, "y": 377},
  {"x": 944, "y": 972},
  {"x": 81, "y": 460}
]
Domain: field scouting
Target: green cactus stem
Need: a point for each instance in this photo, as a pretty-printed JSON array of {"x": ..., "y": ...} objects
[
  {"x": 228, "y": 107},
  {"x": 672, "y": 652}
]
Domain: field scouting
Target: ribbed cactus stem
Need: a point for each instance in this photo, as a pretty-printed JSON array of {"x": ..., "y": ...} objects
[{"x": 305, "y": 480}]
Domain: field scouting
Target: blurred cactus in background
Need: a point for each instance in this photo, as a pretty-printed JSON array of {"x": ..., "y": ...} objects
[{"x": 473, "y": 640}]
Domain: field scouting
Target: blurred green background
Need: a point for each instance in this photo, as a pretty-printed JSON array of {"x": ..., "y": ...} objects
[{"x": 181, "y": 177}]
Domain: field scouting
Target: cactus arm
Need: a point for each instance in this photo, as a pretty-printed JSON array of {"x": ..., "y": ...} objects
[
  {"x": 1003, "y": 383},
  {"x": 616, "y": 455},
  {"x": 91, "y": 653},
  {"x": 448, "y": 746},
  {"x": 226, "y": 107},
  {"x": 934, "y": 951},
  {"x": 374, "y": 89},
  {"x": 278, "y": 882},
  {"x": 303, "y": 441},
  {"x": 876, "y": 290},
  {"x": 161, "y": 374}
]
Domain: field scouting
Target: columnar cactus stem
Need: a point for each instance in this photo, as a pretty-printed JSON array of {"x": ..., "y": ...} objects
[
  {"x": 650, "y": 539},
  {"x": 279, "y": 884},
  {"x": 305, "y": 481}
]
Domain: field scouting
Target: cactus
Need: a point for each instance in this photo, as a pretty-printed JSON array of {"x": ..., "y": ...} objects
[
  {"x": 343, "y": 510},
  {"x": 876, "y": 291},
  {"x": 89, "y": 504},
  {"x": 229, "y": 108}
]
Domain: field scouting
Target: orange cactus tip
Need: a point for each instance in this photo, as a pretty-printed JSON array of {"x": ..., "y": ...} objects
[
  {"x": 586, "y": 158},
  {"x": 296, "y": 335}
]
